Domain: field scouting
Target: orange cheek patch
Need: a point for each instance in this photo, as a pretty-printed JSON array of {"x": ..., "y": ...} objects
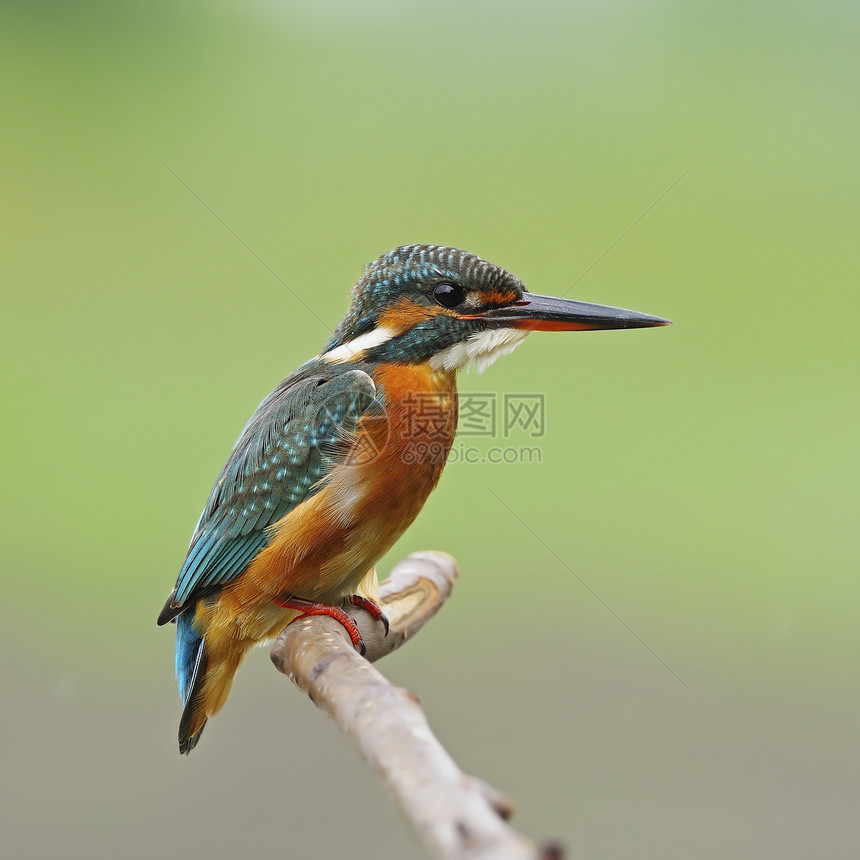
[
  {"x": 496, "y": 297},
  {"x": 405, "y": 314}
]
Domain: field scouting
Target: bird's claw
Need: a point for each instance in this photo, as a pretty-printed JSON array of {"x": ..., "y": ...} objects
[
  {"x": 371, "y": 607},
  {"x": 310, "y": 608}
]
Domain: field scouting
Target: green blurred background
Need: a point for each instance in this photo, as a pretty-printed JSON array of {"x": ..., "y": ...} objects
[{"x": 701, "y": 479}]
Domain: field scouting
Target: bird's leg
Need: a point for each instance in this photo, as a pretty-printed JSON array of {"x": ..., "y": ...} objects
[
  {"x": 310, "y": 607},
  {"x": 369, "y": 606}
]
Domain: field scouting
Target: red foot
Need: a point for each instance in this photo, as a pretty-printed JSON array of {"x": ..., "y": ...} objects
[
  {"x": 309, "y": 607},
  {"x": 370, "y": 607}
]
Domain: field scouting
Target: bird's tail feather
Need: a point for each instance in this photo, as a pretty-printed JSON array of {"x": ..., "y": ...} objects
[
  {"x": 190, "y": 671},
  {"x": 204, "y": 679}
]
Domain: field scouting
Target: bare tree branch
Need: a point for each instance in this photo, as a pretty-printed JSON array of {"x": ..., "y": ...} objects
[{"x": 455, "y": 816}]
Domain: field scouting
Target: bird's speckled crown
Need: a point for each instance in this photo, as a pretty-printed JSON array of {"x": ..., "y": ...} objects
[{"x": 396, "y": 271}]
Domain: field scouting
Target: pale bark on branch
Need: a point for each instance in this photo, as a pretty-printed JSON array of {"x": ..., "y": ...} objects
[{"x": 455, "y": 816}]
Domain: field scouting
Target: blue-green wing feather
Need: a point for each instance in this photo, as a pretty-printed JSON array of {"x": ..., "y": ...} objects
[{"x": 292, "y": 441}]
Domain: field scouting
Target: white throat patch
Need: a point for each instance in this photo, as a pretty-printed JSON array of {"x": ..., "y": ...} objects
[{"x": 480, "y": 351}]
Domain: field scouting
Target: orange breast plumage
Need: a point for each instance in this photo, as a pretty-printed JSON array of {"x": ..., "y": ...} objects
[{"x": 324, "y": 547}]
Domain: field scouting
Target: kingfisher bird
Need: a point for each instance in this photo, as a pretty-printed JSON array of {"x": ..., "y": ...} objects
[{"x": 333, "y": 466}]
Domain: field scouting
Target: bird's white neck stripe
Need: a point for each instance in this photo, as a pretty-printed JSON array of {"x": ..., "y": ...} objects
[{"x": 354, "y": 349}]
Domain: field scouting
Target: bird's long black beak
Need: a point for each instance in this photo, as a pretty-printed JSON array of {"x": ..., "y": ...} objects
[{"x": 545, "y": 313}]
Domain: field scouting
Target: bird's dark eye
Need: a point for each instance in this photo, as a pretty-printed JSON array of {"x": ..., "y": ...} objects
[{"x": 449, "y": 295}]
